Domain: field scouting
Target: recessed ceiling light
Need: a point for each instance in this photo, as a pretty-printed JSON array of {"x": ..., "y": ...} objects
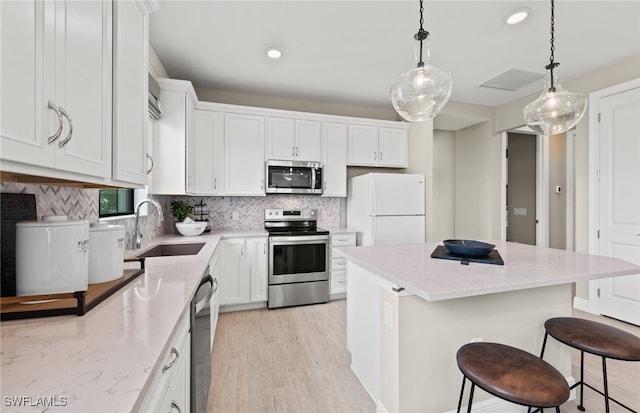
[
  {"x": 274, "y": 53},
  {"x": 517, "y": 16}
]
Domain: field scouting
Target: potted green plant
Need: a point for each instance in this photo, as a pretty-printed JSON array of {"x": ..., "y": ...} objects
[{"x": 180, "y": 210}]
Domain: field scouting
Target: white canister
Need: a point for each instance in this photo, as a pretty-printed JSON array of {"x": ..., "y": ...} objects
[
  {"x": 106, "y": 252},
  {"x": 52, "y": 256}
]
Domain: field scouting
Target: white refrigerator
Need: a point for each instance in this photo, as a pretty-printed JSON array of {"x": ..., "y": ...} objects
[{"x": 386, "y": 208}]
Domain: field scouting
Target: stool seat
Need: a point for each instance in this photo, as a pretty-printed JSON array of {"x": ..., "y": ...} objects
[
  {"x": 513, "y": 374},
  {"x": 595, "y": 338}
]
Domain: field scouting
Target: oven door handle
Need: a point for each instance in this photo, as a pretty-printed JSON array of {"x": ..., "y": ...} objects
[{"x": 303, "y": 239}]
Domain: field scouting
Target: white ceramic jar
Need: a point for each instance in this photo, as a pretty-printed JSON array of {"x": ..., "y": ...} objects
[
  {"x": 52, "y": 256},
  {"x": 106, "y": 252}
]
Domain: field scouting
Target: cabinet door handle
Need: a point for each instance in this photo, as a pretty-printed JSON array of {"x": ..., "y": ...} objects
[
  {"x": 296, "y": 151},
  {"x": 324, "y": 185},
  {"x": 293, "y": 151},
  {"x": 215, "y": 183},
  {"x": 56, "y": 135},
  {"x": 172, "y": 362},
  {"x": 215, "y": 285},
  {"x": 242, "y": 250},
  {"x": 380, "y": 156},
  {"x": 70, "y": 122},
  {"x": 264, "y": 249},
  {"x": 151, "y": 159},
  {"x": 375, "y": 156},
  {"x": 342, "y": 281},
  {"x": 174, "y": 405},
  {"x": 262, "y": 184}
]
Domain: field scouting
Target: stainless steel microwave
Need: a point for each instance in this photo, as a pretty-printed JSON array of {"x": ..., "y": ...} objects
[{"x": 294, "y": 177}]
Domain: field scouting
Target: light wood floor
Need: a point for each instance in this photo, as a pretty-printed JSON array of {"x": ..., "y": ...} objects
[
  {"x": 291, "y": 360},
  {"x": 294, "y": 360}
]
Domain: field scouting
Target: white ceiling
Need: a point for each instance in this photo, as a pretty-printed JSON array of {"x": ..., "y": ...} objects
[{"x": 351, "y": 51}]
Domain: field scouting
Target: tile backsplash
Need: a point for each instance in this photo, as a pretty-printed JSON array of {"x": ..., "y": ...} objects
[
  {"x": 250, "y": 210},
  {"x": 80, "y": 203}
]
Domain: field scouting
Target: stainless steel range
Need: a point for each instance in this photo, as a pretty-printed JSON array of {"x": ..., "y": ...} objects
[{"x": 298, "y": 258}]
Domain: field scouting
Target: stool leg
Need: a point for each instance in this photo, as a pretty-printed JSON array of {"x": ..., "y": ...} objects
[
  {"x": 464, "y": 379},
  {"x": 473, "y": 386},
  {"x": 544, "y": 343},
  {"x": 557, "y": 409},
  {"x": 606, "y": 387},
  {"x": 581, "y": 406}
]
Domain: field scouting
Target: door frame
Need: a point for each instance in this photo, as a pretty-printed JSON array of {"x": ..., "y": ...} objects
[
  {"x": 542, "y": 186},
  {"x": 592, "y": 303}
]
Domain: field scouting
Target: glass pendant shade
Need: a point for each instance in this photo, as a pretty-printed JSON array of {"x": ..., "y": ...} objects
[
  {"x": 556, "y": 110},
  {"x": 421, "y": 93}
]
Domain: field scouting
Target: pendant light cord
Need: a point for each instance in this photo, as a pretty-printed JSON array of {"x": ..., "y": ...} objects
[
  {"x": 422, "y": 34},
  {"x": 552, "y": 64}
]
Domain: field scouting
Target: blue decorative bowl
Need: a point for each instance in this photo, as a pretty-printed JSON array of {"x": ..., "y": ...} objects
[{"x": 468, "y": 248}]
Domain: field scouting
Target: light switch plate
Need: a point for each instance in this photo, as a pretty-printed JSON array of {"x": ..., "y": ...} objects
[{"x": 520, "y": 211}]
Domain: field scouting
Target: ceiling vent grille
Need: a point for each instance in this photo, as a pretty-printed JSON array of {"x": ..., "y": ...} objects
[{"x": 512, "y": 79}]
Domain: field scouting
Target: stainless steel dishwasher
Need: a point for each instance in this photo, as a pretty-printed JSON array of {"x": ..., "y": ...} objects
[{"x": 201, "y": 343}]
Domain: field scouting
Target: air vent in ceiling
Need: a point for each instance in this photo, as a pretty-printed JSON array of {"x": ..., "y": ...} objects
[{"x": 512, "y": 79}]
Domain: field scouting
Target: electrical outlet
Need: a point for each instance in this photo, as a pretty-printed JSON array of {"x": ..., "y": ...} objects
[
  {"x": 235, "y": 215},
  {"x": 476, "y": 340}
]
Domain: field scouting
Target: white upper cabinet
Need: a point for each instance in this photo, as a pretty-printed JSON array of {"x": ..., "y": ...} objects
[
  {"x": 334, "y": 159},
  {"x": 393, "y": 147},
  {"x": 56, "y": 85},
  {"x": 172, "y": 132},
  {"x": 206, "y": 154},
  {"x": 378, "y": 146},
  {"x": 131, "y": 161},
  {"x": 291, "y": 139},
  {"x": 244, "y": 166}
]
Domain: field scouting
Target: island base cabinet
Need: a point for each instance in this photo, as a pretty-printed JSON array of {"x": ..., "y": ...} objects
[{"x": 404, "y": 348}]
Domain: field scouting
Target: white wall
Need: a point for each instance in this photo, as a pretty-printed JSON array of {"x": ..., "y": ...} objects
[{"x": 444, "y": 166}]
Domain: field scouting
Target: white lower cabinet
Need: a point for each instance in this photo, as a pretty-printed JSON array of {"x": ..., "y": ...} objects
[
  {"x": 243, "y": 270},
  {"x": 338, "y": 284},
  {"x": 170, "y": 390}
]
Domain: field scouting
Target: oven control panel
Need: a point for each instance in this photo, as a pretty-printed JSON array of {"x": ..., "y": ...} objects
[{"x": 290, "y": 214}]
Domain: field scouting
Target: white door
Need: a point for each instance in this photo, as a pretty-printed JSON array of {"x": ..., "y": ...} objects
[
  {"x": 620, "y": 200},
  {"x": 396, "y": 230},
  {"x": 397, "y": 194}
]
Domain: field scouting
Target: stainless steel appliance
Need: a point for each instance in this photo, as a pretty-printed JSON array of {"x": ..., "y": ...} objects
[
  {"x": 294, "y": 177},
  {"x": 201, "y": 343},
  {"x": 298, "y": 258}
]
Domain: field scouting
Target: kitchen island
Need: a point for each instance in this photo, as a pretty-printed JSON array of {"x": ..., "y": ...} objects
[{"x": 408, "y": 313}]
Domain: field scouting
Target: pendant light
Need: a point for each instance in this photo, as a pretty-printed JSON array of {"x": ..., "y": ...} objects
[
  {"x": 421, "y": 93},
  {"x": 556, "y": 110}
]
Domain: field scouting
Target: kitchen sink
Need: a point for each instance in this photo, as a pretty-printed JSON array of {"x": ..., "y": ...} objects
[{"x": 170, "y": 250}]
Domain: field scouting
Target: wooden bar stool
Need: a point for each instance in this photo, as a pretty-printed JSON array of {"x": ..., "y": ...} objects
[
  {"x": 595, "y": 338},
  {"x": 512, "y": 375}
]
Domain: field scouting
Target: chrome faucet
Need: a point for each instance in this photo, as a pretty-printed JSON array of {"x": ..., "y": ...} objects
[{"x": 137, "y": 235}]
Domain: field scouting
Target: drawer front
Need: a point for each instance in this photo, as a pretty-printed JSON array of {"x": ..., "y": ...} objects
[
  {"x": 339, "y": 264},
  {"x": 338, "y": 282},
  {"x": 339, "y": 240}
]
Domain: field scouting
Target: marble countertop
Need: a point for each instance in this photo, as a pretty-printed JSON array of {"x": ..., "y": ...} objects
[
  {"x": 104, "y": 360},
  {"x": 410, "y": 266}
]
